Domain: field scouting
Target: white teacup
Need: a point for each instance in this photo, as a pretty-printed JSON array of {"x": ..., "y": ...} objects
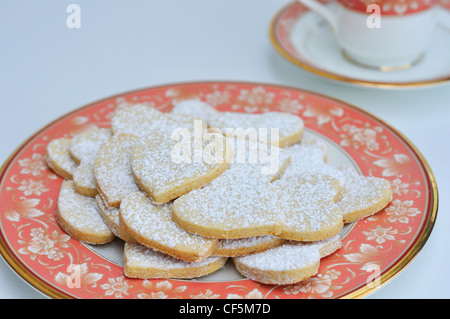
[{"x": 381, "y": 34}]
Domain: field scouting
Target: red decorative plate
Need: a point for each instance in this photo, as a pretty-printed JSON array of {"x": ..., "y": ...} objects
[{"x": 374, "y": 250}]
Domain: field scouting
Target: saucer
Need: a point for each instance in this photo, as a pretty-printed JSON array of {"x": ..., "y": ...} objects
[{"x": 305, "y": 39}]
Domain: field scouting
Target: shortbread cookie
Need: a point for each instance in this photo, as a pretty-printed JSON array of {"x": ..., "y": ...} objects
[
  {"x": 58, "y": 157},
  {"x": 84, "y": 178},
  {"x": 310, "y": 158},
  {"x": 309, "y": 140},
  {"x": 145, "y": 263},
  {"x": 140, "y": 120},
  {"x": 308, "y": 209},
  {"x": 152, "y": 226},
  {"x": 164, "y": 174},
  {"x": 110, "y": 216},
  {"x": 240, "y": 203},
  {"x": 246, "y": 246},
  {"x": 289, "y": 127},
  {"x": 85, "y": 145},
  {"x": 287, "y": 264},
  {"x": 197, "y": 109},
  {"x": 363, "y": 196},
  {"x": 234, "y": 205},
  {"x": 84, "y": 149},
  {"x": 78, "y": 216},
  {"x": 113, "y": 173}
]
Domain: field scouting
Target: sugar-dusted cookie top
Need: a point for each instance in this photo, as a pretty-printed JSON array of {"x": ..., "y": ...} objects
[
  {"x": 83, "y": 148},
  {"x": 145, "y": 263},
  {"x": 308, "y": 211},
  {"x": 152, "y": 225},
  {"x": 79, "y": 217},
  {"x": 240, "y": 203},
  {"x": 197, "y": 109},
  {"x": 85, "y": 144},
  {"x": 84, "y": 178},
  {"x": 140, "y": 120},
  {"x": 360, "y": 196},
  {"x": 286, "y": 264},
  {"x": 309, "y": 158},
  {"x": 288, "y": 127},
  {"x": 113, "y": 173},
  {"x": 363, "y": 196},
  {"x": 165, "y": 168},
  {"x": 59, "y": 159}
]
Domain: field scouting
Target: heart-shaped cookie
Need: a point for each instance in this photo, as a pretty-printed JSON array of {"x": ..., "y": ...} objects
[
  {"x": 112, "y": 170},
  {"x": 241, "y": 202},
  {"x": 360, "y": 195},
  {"x": 166, "y": 168},
  {"x": 289, "y": 127},
  {"x": 140, "y": 120},
  {"x": 58, "y": 158},
  {"x": 85, "y": 144},
  {"x": 145, "y": 263},
  {"x": 363, "y": 196},
  {"x": 286, "y": 264},
  {"x": 308, "y": 209},
  {"x": 197, "y": 109},
  {"x": 279, "y": 128},
  {"x": 79, "y": 217},
  {"x": 152, "y": 226}
]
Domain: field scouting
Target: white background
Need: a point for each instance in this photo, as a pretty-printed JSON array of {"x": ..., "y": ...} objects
[{"x": 47, "y": 69}]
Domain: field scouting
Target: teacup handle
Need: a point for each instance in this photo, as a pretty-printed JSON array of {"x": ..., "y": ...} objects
[{"x": 321, "y": 10}]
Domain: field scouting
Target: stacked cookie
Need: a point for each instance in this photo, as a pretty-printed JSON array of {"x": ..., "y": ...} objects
[{"x": 187, "y": 190}]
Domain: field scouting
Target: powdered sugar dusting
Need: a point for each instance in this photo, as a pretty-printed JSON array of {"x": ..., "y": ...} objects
[
  {"x": 142, "y": 256},
  {"x": 286, "y": 123},
  {"x": 113, "y": 168},
  {"x": 155, "y": 224},
  {"x": 154, "y": 166},
  {"x": 79, "y": 211},
  {"x": 85, "y": 145},
  {"x": 196, "y": 108},
  {"x": 141, "y": 120},
  {"x": 362, "y": 192},
  {"x": 58, "y": 153},
  {"x": 290, "y": 256}
]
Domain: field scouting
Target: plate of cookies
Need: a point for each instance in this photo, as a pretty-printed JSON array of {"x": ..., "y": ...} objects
[{"x": 218, "y": 190}]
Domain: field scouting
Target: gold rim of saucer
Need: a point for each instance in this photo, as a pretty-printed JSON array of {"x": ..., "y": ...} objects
[{"x": 383, "y": 68}]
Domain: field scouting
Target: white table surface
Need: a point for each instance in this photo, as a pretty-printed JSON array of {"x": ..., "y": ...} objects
[{"x": 47, "y": 69}]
